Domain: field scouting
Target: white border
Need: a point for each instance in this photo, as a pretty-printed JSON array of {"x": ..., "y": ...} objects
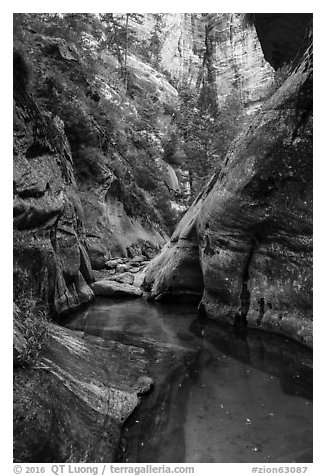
[{"x": 318, "y": 8}]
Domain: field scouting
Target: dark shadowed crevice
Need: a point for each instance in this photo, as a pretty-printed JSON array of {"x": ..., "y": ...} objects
[
  {"x": 261, "y": 303},
  {"x": 245, "y": 299},
  {"x": 37, "y": 150},
  {"x": 281, "y": 35}
]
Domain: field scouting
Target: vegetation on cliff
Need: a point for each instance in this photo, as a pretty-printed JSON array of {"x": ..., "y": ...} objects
[
  {"x": 109, "y": 127},
  {"x": 81, "y": 70}
]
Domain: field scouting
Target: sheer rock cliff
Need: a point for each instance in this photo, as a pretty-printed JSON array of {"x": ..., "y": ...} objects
[
  {"x": 215, "y": 49},
  {"x": 50, "y": 249}
]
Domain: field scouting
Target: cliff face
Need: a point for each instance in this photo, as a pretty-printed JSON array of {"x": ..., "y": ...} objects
[
  {"x": 245, "y": 245},
  {"x": 50, "y": 250},
  {"x": 248, "y": 74},
  {"x": 73, "y": 210},
  {"x": 218, "y": 49}
]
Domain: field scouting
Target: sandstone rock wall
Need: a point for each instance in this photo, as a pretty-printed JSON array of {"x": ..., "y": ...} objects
[
  {"x": 50, "y": 251},
  {"x": 64, "y": 224},
  {"x": 196, "y": 48},
  {"x": 251, "y": 229}
]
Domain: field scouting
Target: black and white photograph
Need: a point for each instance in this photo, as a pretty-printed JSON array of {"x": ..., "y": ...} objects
[{"x": 162, "y": 241}]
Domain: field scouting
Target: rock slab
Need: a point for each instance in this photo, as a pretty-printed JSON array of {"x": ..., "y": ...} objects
[{"x": 115, "y": 289}]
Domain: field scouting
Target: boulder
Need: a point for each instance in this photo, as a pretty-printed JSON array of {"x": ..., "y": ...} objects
[
  {"x": 135, "y": 264},
  {"x": 139, "y": 278},
  {"x": 135, "y": 270},
  {"x": 121, "y": 268},
  {"x": 137, "y": 259},
  {"x": 126, "y": 278},
  {"x": 112, "y": 263},
  {"x": 143, "y": 384},
  {"x": 99, "y": 275},
  {"x": 114, "y": 289},
  {"x": 97, "y": 253}
]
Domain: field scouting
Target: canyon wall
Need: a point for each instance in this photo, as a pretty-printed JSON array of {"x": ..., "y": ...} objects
[
  {"x": 50, "y": 249},
  {"x": 214, "y": 48},
  {"x": 245, "y": 244}
]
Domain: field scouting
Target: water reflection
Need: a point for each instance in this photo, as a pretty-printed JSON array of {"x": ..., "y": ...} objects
[{"x": 244, "y": 398}]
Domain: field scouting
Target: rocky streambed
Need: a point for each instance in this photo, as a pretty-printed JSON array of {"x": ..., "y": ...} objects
[{"x": 122, "y": 277}]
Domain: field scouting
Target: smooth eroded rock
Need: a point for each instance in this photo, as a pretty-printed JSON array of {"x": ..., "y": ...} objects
[
  {"x": 70, "y": 405},
  {"x": 50, "y": 255},
  {"x": 115, "y": 289}
]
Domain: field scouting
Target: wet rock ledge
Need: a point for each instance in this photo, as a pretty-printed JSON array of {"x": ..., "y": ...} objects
[{"x": 71, "y": 403}]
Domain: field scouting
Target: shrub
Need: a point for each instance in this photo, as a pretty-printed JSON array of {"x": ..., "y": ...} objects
[
  {"x": 88, "y": 163},
  {"x": 163, "y": 205},
  {"x": 145, "y": 179},
  {"x": 173, "y": 155},
  {"x": 32, "y": 314},
  {"x": 21, "y": 72}
]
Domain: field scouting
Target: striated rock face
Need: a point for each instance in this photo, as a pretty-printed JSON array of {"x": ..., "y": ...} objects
[
  {"x": 65, "y": 227},
  {"x": 78, "y": 396},
  {"x": 216, "y": 49},
  {"x": 142, "y": 78},
  {"x": 110, "y": 230},
  {"x": 250, "y": 231},
  {"x": 238, "y": 64},
  {"x": 50, "y": 252},
  {"x": 70, "y": 405}
]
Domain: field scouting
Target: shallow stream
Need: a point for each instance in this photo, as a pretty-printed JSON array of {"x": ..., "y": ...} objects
[{"x": 240, "y": 398}]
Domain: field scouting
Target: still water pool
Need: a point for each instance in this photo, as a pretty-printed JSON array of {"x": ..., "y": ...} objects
[{"x": 240, "y": 398}]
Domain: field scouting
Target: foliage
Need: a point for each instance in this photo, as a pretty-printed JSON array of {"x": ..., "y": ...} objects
[
  {"x": 203, "y": 132},
  {"x": 173, "y": 154},
  {"x": 89, "y": 165},
  {"x": 21, "y": 72},
  {"x": 112, "y": 124},
  {"x": 163, "y": 205},
  {"x": 120, "y": 37},
  {"x": 155, "y": 42},
  {"x": 32, "y": 314},
  {"x": 146, "y": 179}
]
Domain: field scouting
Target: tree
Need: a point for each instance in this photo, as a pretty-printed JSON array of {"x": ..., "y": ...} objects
[
  {"x": 206, "y": 131},
  {"x": 119, "y": 36}
]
